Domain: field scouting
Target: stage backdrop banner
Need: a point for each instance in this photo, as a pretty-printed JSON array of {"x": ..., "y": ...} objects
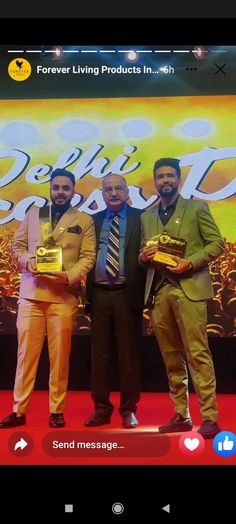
[{"x": 95, "y": 137}]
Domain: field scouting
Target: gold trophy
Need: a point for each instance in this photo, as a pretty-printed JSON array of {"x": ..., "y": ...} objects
[
  {"x": 49, "y": 255},
  {"x": 167, "y": 245}
]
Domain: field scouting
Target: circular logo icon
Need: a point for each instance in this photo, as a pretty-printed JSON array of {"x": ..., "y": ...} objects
[
  {"x": 164, "y": 239},
  {"x": 41, "y": 251},
  {"x": 19, "y": 69},
  {"x": 21, "y": 443}
]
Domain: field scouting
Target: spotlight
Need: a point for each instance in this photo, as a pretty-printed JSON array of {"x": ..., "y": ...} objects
[
  {"x": 199, "y": 52},
  {"x": 57, "y": 52},
  {"x": 131, "y": 56}
]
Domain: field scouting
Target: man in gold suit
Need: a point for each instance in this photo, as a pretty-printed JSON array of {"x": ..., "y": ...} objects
[{"x": 48, "y": 301}]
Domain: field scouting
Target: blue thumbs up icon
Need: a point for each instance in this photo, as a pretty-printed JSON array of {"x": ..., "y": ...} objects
[{"x": 224, "y": 444}]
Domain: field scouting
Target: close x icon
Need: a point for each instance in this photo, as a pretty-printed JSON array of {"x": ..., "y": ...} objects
[{"x": 220, "y": 69}]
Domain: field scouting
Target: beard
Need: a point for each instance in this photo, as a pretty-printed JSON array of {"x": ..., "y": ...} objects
[
  {"x": 170, "y": 193},
  {"x": 61, "y": 207}
]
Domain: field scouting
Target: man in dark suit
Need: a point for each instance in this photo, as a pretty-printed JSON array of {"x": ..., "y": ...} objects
[{"x": 115, "y": 291}]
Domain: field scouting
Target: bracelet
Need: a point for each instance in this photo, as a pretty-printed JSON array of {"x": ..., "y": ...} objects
[{"x": 67, "y": 283}]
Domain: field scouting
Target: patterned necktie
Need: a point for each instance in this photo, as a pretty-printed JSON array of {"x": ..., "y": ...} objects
[
  {"x": 55, "y": 219},
  {"x": 112, "y": 260}
]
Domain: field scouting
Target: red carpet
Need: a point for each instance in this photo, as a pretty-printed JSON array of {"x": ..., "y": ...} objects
[{"x": 136, "y": 446}]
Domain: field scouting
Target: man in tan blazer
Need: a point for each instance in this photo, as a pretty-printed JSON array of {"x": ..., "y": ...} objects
[
  {"x": 48, "y": 302},
  {"x": 180, "y": 296}
]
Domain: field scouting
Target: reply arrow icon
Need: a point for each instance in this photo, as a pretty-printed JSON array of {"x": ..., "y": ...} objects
[{"x": 21, "y": 444}]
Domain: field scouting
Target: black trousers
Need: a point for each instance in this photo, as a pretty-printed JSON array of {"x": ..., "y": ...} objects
[{"x": 111, "y": 314}]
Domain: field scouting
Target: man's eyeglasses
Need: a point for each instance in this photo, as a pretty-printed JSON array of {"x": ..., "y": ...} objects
[{"x": 117, "y": 189}]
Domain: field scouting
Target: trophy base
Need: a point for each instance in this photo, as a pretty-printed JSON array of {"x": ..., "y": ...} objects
[{"x": 164, "y": 259}]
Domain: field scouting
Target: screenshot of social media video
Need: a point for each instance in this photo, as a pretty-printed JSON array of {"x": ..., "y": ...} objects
[{"x": 118, "y": 255}]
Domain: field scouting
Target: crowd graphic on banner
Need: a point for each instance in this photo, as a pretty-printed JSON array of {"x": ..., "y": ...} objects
[{"x": 221, "y": 308}]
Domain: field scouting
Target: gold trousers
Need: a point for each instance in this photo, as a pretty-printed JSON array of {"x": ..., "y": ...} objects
[
  {"x": 34, "y": 321},
  {"x": 180, "y": 329}
]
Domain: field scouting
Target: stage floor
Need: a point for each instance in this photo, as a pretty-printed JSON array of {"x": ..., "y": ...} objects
[{"x": 109, "y": 444}]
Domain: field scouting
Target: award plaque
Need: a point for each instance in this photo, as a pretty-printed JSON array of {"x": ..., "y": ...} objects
[
  {"x": 48, "y": 258},
  {"x": 167, "y": 245}
]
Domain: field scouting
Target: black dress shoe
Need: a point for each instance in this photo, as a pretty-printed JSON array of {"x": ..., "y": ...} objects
[
  {"x": 176, "y": 424},
  {"x": 97, "y": 420},
  {"x": 130, "y": 421},
  {"x": 12, "y": 421},
  {"x": 209, "y": 429},
  {"x": 56, "y": 420}
]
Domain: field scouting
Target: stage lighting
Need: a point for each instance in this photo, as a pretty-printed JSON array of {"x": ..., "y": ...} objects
[
  {"x": 53, "y": 52},
  {"x": 131, "y": 56},
  {"x": 57, "y": 52},
  {"x": 199, "y": 52}
]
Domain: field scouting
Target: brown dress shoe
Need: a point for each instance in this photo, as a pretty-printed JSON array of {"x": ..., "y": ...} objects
[
  {"x": 209, "y": 429},
  {"x": 176, "y": 425},
  {"x": 130, "y": 421},
  {"x": 97, "y": 419},
  {"x": 12, "y": 421},
  {"x": 56, "y": 420}
]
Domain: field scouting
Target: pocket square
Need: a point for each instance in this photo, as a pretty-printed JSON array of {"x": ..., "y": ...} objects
[{"x": 74, "y": 229}]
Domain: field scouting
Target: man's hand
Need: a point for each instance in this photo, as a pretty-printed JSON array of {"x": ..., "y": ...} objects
[
  {"x": 182, "y": 265},
  {"x": 147, "y": 254},
  {"x": 31, "y": 266},
  {"x": 58, "y": 277}
]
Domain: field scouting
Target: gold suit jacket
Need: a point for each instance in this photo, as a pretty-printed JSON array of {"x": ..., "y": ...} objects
[{"x": 78, "y": 254}]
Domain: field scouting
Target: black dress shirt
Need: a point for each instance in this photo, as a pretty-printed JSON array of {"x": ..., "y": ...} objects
[{"x": 166, "y": 214}]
